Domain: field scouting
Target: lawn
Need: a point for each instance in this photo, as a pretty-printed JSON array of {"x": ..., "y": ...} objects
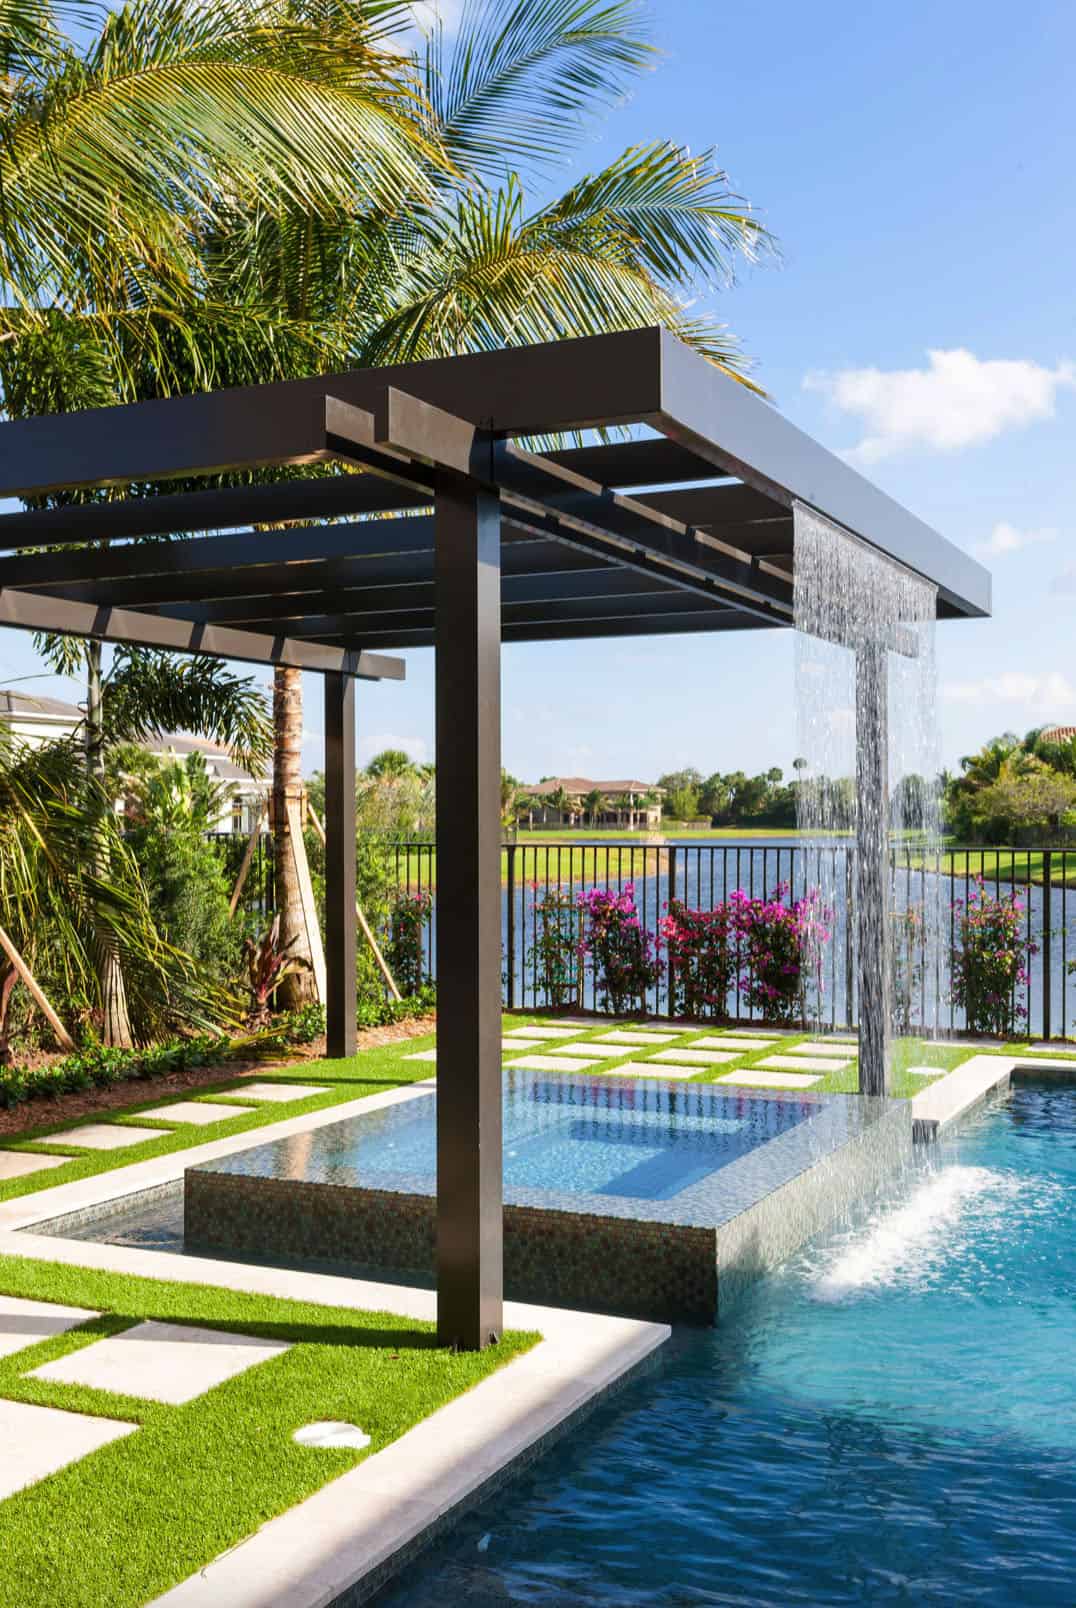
[{"x": 135, "y": 1517}]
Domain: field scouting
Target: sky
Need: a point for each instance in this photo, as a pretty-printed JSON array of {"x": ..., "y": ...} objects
[{"x": 915, "y": 164}]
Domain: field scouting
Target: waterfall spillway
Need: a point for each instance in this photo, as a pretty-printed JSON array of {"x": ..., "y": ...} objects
[{"x": 868, "y": 799}]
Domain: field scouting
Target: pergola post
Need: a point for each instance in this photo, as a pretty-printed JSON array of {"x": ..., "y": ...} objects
[
  {"x": 468, "y": 726},
  {"x": 872, "y": 867},
  {"x": 340, "y": 955}
]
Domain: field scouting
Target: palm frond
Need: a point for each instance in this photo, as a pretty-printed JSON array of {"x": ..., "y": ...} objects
[{"x": 516, "y": 80}]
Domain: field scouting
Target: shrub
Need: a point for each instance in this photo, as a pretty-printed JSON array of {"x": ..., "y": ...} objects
[
  {"x": 555, "y": 949},
  {"x": 406, "y": 949},
  {"x": 619, "y": 950},
  {"x": 990, "y": 961},
  {"x": 701, "y": 950},
  {"x": 781, "y": 950},
  {"x": 909, "y": 933}
]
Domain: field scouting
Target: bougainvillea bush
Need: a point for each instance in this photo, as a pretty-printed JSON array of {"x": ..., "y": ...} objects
[
  {"x": 781, "y": 948},
  {"x": 701, "y": 950},
  {"x": 620, "y": 953},
  {"x": 990, "y": 961},
  {"x": 554, "y": 954},
  {"x": 407, "y": 952}
]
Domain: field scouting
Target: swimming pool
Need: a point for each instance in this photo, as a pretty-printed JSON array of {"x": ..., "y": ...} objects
[{"x": 891, "y": 1419}]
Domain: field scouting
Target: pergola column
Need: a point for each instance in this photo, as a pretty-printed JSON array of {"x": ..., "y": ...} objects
[
  {"x": 872, "y": 867},
  {"x": 340, "y": 951},
  {"x": 468, "y": 726}
]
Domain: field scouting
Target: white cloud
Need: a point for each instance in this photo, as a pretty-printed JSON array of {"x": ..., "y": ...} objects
[
  {"x": 958, "y": 400},
  {"x": 1049, "y": 693},
  {"x": 1006, "y": 538}
]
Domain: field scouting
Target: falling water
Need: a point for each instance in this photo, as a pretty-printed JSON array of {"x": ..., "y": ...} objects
[{"x": 853, "y": 606}]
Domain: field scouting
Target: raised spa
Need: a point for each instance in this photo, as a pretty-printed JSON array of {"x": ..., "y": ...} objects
[{"x": 625, "y": 1195}]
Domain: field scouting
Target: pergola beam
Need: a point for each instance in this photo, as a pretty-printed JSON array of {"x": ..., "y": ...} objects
[{"x": 30, "y": 611}]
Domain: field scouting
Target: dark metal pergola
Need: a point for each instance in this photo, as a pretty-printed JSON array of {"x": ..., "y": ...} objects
[{"x": 438, "y": 529}]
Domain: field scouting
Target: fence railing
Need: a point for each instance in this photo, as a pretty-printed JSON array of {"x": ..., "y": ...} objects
[{"x": 703, "y": 875}]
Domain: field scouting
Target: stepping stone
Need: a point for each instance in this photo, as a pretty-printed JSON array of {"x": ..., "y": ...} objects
[
  {"x": 17, "y": 1163},
  {"x": 36, "y": 1441},
  {"x": 843, "y": 1038},
  {"x": 699, "y": 1057},
  {"x": 550, "y": 1063},
  {"x": 733, "y": 1042},
  {"x": 26, "y": 1323},
  {"x": 528, "y": 1043},
  {"x": 200, "y": 1112},
  {"x": 282, "y": 1091},
  {"x": 823, "y": 1047},
  {"x": 925, "y": 1071},
  {"x": 1052, "y": 1049},
  {"x": 587, "y": 1048},
  {"x": 168, "y": 1362},
  {"x": 422, "y": 1055},
  {"x": 105, "y": 1136},
  {"x": 802, "y": 1063},
  {"x": 570, "y": 1021},
  {"x": 752, "y": 1077},
  {"x": 636, "y": 1037},
  {"x": 520, "y": 1033},
  {"x": 647, "y": 1069}
]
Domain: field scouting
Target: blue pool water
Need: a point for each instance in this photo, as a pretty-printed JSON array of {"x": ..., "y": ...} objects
[
  {"x": 641, "y": 1147},
  {"x": 891, "y": 1420}
]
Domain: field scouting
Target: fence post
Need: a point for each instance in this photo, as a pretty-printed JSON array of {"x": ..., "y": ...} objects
[
  {"x": 849, "y": 937},
  {"x": 510, "y": 850},
  {"x": 669, "y": 972},
  {"x": 1047, "y": 924}
]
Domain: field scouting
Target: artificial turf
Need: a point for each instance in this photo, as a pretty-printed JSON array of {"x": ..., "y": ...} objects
[{"x": 127, "y": 1522}]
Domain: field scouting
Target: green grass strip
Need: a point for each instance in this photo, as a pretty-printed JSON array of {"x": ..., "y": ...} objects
[{"x": 132, "y": 1519}]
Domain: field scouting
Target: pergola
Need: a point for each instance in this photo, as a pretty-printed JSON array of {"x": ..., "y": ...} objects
[{"x": 434, "y": 527}]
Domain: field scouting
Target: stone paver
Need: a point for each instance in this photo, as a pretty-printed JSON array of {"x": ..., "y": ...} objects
[
  {"x": 563, "y": 1031},
  {"x": 422, "y": 1055},
  {"x": 1052, "y": 1049},
  {"x": 751, "y": 1076},
  {"x": 637, "y": 1037},
  {"x": 27, "y": 1323},
  {"x": 35, "y": 1441},
  {"x": 19, "y": 1163},
  {"x": 104, "y": 1136},
  {"x": 823, "y": 1047},
  {"x": 649, "y": 1069},
  {"x": 571, "y": 1021},
  {"x": 700, "y": 1057},
  {"x": 732, "y": 1041},
  {"x": 167, "y": 1362},
  {"x": 585, "y": 1048},
  {"x": 802, "y": 1063},
  {"x": 925, "y": 1071},
  {"x": 281, "y": 1091},
  {"x": 551, "y": 1063},
  {"x": 200, "y": 1112}
]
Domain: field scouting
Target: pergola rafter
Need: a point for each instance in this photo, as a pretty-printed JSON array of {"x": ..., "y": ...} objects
[{"x": 430, "y": 520}]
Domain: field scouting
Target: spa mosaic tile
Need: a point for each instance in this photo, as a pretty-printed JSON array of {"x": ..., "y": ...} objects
[{"x": 633, "y": 1194}]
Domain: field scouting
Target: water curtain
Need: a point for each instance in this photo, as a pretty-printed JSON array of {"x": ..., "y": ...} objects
[{"x": 867, "y": 763}]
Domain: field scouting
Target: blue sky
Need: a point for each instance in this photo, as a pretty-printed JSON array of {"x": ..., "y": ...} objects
[{"x": 916, "y": 164}]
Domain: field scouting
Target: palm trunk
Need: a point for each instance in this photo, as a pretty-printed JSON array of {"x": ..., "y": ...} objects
[
  {"x": 300, "y": 987},
  {"x": 115, "y": 1019}
]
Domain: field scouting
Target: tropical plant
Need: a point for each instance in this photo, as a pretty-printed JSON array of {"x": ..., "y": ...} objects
[
  {"x": 781, "y": 946},
  {"x": 269, "y": 963},
  {"x": 406, "y": 950},
  {"x": 701, "y": 955},
  {"x": 990, "y": 961},
  {"x": 620, "y": 953},
  {"x": 554, "y": 952}
]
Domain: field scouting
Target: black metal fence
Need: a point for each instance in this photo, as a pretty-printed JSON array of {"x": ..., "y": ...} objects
[{"x": 703, "y": 875}]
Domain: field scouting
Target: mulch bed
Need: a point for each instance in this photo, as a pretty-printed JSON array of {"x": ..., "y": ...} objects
[{"x": 18, "y": 1119}]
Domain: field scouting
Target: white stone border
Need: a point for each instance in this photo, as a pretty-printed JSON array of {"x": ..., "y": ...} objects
[
  {"x": 971, "y": 1084},
  {"x": 359, "y": 1522}
]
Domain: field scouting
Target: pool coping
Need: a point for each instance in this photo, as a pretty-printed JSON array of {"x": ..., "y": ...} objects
[{"x": 976, "y": 1081}]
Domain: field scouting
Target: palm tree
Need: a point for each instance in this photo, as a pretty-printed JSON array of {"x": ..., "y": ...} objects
[
  {"x": 433, "y": 251},
  {"x": 592, "y": 804},
  {"x": 391, "y": 762}
]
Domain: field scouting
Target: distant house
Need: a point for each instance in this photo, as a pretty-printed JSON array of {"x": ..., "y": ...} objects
[
  {"x": 36, "y": 720},
  {"x": 630, "y": 804},
  {"x": 1057, "y": 734}
]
